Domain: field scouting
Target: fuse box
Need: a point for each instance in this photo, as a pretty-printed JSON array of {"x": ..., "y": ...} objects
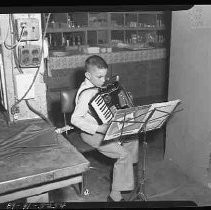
[
  {"x": 23, "y": 82},
  {"x": 29, "y": 55},
  {"x": 29, "y": 28}
]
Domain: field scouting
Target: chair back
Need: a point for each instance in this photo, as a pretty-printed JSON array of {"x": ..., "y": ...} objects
[{"x": 67, "y": 98}]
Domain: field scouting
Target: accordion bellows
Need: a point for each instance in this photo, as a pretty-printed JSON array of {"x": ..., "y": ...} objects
[{"x": 108, "y": 101}]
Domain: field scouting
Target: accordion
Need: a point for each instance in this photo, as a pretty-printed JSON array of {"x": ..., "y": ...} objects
[{"x": 109, "y": 99}]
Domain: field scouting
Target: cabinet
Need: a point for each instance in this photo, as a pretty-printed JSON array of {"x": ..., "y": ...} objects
[
  {"x": 139, "y": 51},
  {"x": 117, "y": 31}
]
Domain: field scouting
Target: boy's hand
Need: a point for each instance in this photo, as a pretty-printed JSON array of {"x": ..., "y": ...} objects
[{"x": 103, "y": 128}]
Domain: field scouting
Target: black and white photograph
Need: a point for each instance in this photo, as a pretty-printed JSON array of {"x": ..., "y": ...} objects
[{"x": 105, "y": 106}]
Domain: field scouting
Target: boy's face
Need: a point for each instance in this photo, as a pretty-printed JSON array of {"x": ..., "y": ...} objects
[{"x": 96, "y": 76}]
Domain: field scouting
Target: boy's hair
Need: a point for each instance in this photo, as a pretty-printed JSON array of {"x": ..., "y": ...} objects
[{"x": 95, "y": 60}]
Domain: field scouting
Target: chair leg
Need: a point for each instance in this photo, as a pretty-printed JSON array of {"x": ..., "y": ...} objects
[
  {"x": 82, "y": 185},
  {"x": 65, "y": 122}
]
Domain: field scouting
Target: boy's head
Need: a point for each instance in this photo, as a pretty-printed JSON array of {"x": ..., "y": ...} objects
[{"x": 96, "y": 70}]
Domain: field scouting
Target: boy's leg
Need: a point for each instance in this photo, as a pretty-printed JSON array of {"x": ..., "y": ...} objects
[
  {"x": 132, "y": 148},
  {"x": 123, "y": 177}
]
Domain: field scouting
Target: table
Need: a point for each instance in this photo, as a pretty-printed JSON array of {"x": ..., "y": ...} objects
[{"x": 32, "y": 174}]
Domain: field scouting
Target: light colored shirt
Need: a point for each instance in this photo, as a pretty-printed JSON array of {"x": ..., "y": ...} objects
[{"x": 81, "y": 116}]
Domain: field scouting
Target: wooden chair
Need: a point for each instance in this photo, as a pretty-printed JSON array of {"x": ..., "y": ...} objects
[{"x": 67, "y": 98}]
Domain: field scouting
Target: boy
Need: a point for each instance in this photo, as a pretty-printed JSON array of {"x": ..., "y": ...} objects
[{"x": 93, "y": 133}]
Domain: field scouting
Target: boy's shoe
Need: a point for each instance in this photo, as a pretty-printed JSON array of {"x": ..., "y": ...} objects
[{"x": 109, "y": 199}]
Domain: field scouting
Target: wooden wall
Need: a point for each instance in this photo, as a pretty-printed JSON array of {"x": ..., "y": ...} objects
[
  {"x": 39, "y": 102},
  {"x": 188, "y": 137}
]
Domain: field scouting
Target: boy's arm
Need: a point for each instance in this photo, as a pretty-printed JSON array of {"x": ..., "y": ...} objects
[{"x": 80, "y": 117}]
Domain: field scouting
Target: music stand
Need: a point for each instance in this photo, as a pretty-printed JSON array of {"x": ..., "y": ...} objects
[
  {"x": 140, "y": 189},
  {"x": 141, "y": 183},
  {"x": 153, "y": 118}
]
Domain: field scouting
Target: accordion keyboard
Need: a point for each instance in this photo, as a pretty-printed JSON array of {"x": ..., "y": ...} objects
[{"x": 104, "y": 113}]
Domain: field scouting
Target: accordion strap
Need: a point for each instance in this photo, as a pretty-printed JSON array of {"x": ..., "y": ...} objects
[{"x": 90, "y": 88}]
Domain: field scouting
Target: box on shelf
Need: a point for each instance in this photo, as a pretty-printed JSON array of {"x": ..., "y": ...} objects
[{"x": 89, "y": 50}]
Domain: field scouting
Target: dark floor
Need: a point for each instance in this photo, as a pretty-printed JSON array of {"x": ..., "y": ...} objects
[{"x": 164, "y": 180}]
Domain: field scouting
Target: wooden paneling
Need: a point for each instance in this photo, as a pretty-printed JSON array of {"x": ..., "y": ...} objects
[
  {"x": 144, "y": 79},
  {"x": 65, "y": 78},
  {"x": 156, "y": 78},
  {"x": 133, "y": 76}
]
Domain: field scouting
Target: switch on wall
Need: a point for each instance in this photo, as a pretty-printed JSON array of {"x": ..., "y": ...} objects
[
  {"x": 23, "y": 82},
  {"x": 30, "y": 31}
]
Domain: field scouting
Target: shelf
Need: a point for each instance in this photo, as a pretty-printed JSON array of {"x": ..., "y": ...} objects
[
  {"x": 140, "y": 12},
  {"x": 116, "y": 28},
  {"x": 74, "y": 61},
  {"x": 69, "y": 30},
  {"x": 128, "y": 27}
]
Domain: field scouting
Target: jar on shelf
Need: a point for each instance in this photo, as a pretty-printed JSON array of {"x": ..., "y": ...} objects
[
  {"x": 73, "y": 41},
  {"x": 78, "y": 40},
  {"x": 134, "y": 38}
]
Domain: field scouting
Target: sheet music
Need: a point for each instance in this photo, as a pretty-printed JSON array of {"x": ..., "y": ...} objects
[
  {"x": 131, "y": 114},
  {"x": 162, "y": 112},
  {"x": 130, "y": 121}
]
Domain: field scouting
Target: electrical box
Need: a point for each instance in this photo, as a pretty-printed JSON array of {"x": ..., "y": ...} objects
[
  {"x": 31, "y": 31},
  {"x": 29, "y": 55},
  {"x": 23, "y": 82}
]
